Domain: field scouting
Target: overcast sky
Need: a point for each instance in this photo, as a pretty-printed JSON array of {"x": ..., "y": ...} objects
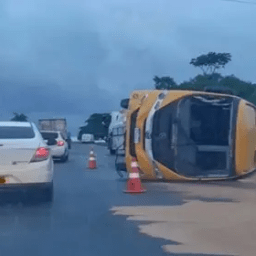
[{"x": 74, "y": 58}]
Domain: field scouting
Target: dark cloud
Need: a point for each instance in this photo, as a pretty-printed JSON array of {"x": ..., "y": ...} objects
[
  {"x": 74, "y": 58},
  {"x": 46, "y": 97},
  {"x": 49, "y": 60}
]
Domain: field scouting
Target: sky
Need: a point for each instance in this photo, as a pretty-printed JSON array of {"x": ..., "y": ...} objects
[{"x": 70, "y": 59}]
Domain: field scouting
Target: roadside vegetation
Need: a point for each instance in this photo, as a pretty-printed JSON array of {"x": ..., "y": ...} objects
[
  {"x": 209, "y": 64},
  {"x": 19, "y": 117}
]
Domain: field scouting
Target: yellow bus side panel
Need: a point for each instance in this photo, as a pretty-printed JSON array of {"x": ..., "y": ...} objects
[
  {"x": 142, "y": 157},
  {"x": 135, "y": 102},
  {"x": 245, "y": 139}
]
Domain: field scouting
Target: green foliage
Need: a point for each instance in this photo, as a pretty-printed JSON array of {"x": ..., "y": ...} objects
[
  {"x": 240, "y": 88},
  {"x": 210, "y": 62},
  {"x": 164, "y": 83},
  {"x": 97, "y": 124},
  {"x": 19, "y": 118}
]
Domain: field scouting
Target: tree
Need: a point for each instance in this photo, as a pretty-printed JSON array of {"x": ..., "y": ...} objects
[
  {"x": 19, "y": 118},
  {"x": 210, "y": 62},
  {"x": 164, "y": 83},
  {"x": 240, "y": 88},
  {"x": 97, "y": 124}
]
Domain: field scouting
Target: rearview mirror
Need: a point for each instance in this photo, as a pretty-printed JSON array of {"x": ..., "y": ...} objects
[{"x": 125, "y": 103}]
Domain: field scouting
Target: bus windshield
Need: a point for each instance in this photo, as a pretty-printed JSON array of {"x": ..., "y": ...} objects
[{"x": 193, "y": 136}]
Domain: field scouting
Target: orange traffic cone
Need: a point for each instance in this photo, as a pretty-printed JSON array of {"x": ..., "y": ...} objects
[
  {"x": 134, "y": 183},
  {"x": 92, "y": 160}
]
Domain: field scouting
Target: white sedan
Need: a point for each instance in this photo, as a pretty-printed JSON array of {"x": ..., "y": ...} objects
[
  {"x": 25, "y": 159},
  {"x": 57, "y": 143}
]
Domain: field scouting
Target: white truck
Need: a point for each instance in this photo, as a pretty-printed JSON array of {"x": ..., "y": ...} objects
[
  {"x": 87, "y": 138},
  {"x": 56, "y": 124},
  {"x": 116, "y": 131}
]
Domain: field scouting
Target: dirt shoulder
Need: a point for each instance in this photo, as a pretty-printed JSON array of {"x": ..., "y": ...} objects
[{"x": 217, "y": 218}]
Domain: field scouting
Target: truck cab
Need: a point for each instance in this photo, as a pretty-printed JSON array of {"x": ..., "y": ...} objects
[{"x": 116, "y": 131}]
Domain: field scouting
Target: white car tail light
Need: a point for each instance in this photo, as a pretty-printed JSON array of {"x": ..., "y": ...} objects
[
  {"x": 40, "y": 155},
  {"x": 60, "y": 143}
]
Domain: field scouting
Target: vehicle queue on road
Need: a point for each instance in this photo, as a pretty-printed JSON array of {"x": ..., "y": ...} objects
[{"x": 173, "y": 135}]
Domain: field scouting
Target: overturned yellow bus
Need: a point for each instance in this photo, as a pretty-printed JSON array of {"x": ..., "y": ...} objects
[{"x": 190, "y": 135}]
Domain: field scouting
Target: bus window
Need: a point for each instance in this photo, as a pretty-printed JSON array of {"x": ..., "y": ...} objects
[
  {"x": 202, "y": 132},
  {"x": 132, "y": 129},
  {"x": 210, "y": 123},
  {"x": 203, "y": 136},
  {"x": 162, "y": 135}
]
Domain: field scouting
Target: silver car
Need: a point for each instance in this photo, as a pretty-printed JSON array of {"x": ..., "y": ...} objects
[{"x": 57, "y": 144}]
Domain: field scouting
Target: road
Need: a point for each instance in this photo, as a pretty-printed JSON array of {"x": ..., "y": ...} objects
[
  {"x": 90, "y": 211},
  {"x": 80, "y": 221}
]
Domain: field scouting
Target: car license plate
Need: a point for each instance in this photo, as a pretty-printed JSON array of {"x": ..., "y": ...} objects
[
  {"x": 136, "y": 135},
  {"x": 3, "y": 180}
]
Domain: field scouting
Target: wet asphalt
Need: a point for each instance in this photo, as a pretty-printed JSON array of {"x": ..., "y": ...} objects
[{"x": 79, "y": 222}]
